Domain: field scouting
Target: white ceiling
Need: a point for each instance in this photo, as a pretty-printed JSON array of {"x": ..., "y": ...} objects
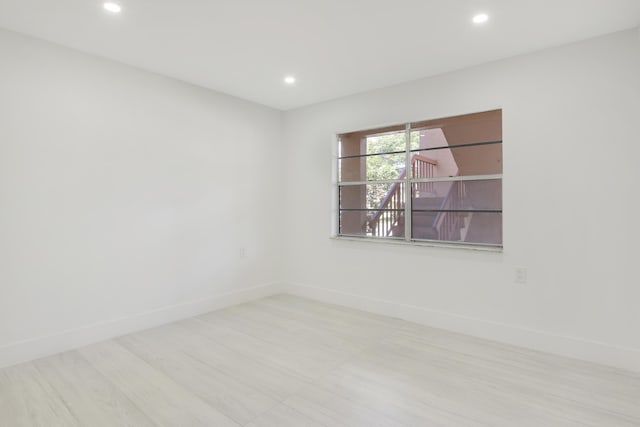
[{"x": 333, "y": 47}]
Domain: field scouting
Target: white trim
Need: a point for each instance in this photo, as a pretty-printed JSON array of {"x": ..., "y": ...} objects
[
  {"x": 578, "y": 348},
  {"x": 416, "y": 242},
  {"x": 39, "y": 347},
  {"x": 573, "y": 347},
  {"x": 335, "y": 190}
]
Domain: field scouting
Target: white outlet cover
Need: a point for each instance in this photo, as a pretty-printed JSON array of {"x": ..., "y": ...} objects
[{"x": 521, "y": 275}]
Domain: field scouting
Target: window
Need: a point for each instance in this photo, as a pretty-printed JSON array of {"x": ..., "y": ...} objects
[{"x": 432, "y": 181}]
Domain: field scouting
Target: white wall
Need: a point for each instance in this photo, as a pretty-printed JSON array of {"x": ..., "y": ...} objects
[
  {"x": 125, "y": 198},
  {"x": 571, "y": 186},
  {"x": 123, "y": 203}
]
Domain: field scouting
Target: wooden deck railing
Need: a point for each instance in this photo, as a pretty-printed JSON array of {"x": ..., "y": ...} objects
[
  {"x": 450, "y": 220},
  {"x": 390, "y": 213}
]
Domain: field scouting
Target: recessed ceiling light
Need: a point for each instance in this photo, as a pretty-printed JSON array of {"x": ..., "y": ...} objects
[
  {"x": 112, "y": 7},
  {"x": 480, "y": 18},
  {"x": 289, "y": 80}
]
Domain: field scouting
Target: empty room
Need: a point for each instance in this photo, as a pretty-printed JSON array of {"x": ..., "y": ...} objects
[{"x": 319, "y": 213}]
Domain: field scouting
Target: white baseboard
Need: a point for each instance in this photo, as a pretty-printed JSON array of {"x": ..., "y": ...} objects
[
  {"x": 619, "y": 357},
  {"x": 577, "y": 348},
  {"x": 39, "y": 347}
]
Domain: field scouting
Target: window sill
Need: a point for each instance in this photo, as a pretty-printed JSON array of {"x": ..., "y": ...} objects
[{"x": 420, "y": 243}]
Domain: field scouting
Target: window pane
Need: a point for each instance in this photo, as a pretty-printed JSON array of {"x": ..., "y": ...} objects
[
  {"x": 387, "y": 143},
  {"x": 384, "y": 167},
  {"x": 380, "y": 209},
  {"x": 372, "y": 223},
  {"x": 423, "y": 227},
  {"x": 457, "y": 161},
  {"x": 484, "y": 228},
  {"x": 372, "y": 196},
  {"x": 372, "y": 141},
  {"x": 457, "y": 130},
  {"x": 456, "y": 211},
  {"x": 457, "y": 195},
  {"x": 467, "y": 227},
  {"x": 353, "y": 223},
  {"x": 372, "y": 168}
]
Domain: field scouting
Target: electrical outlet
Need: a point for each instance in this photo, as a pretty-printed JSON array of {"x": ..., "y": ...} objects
[
  {"x": 520, "y": 275},
  {"x": 243, "y": 253}
]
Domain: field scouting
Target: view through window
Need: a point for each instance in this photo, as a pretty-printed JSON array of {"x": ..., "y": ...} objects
[{"x": 436, "y": 180}]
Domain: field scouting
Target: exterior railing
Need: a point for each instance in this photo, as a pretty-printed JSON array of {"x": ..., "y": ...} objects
[
  {"x": 390, "y": 214},
  {"x": 450, "y": 220}
]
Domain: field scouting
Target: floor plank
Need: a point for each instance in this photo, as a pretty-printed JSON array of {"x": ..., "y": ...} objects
[
  {"x": 334, "y": 410},
  {"x": 284, "y": 415},
  {"x": 162, "y": 399},
  {"x": 199, "y": 368},
  {"x": 27, "y": 399},
  {"x": 90, "y": 396}
]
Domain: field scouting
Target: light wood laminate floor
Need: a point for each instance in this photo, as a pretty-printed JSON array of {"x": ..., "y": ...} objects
[{"x": 287, "y": 361}]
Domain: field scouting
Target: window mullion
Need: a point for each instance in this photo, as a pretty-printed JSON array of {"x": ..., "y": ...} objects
[{"x": 407, "y": 184}]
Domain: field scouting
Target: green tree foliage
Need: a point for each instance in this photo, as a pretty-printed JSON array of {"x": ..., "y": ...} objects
[{"x": 385, "y": 167}]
